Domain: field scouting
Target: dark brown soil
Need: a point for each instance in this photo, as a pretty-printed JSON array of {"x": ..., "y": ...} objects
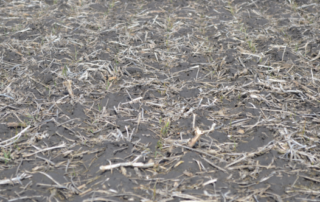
[{"x": 88, "y": 84}]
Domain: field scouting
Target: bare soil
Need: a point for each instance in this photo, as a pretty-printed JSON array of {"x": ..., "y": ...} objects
[{"x": 159, "y": 100}]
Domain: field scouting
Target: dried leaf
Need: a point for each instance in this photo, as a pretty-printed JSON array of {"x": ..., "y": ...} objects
[
  {"x": 112, "y": 78},
  {"x": 197, "y": 135},
  {"x": 16, "y": 125},
  {"x": 67, "y": 84},
  {"x": 187, "y": 173},
  {"x": 123, "y": 170},
  {"x": 241, "y": 131},
  {"x": 177, "y": 164},
  {"x": 175, "y": 184},
  {"x": 221, "y": 113}
]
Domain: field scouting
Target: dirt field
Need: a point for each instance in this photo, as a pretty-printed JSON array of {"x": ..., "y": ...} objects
[{"x": 160, "y": 100}]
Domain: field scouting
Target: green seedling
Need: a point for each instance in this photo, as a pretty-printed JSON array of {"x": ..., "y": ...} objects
[
  {"x": 154, "y": 191},
  {"x": 155, "y": 153},
  {"x": 112, "y": 5},
  {"x": 17, "y": 147},
  {"x": 165, "y": 128},
  {"x": 252, "y": 46},
  {"x": 115, "y": 70},
  {"x": 64, "y": 71},
  {"x": 242, "y": 29},
  {"x": 231, "y": 8},
  {"x": 42, "y": 41},
  {"x": 169, "y": 24},
  {"x": 7, "y": 156},
  {"x": 304, "y": 128},
  {"x": 159, "y": 144},
  {"x": 53, "y": 31},
  {"x": 294, "y": 5},
  {"x": 74, "y": 173},
  {"x": 108, "y": 84},
  {"x": 234, "y": 146},
  {"x": 75, "y": 54}
]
